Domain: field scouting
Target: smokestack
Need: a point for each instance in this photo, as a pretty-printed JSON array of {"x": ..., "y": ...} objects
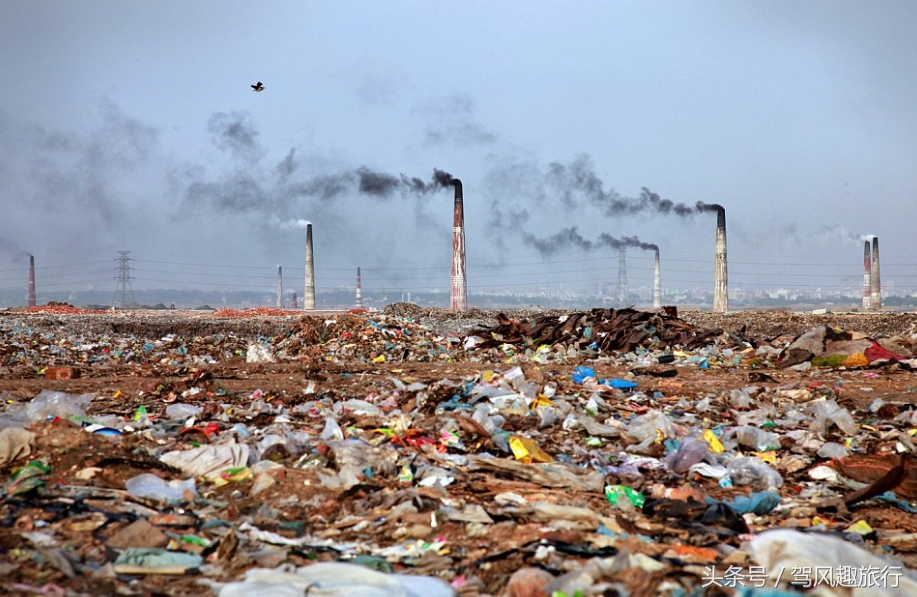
[
  {"x": 657, "y": 284},
  {"x": 279, "y": 287},
  {"x": 876, "y": 299},
  {"x": 720, "y": 274},
  {"x": 459, "y": 300},
  {"x": 308, "y": 295},
  {"x": 293, "y": 304},
  {"x": 359, "y": 300},
  {"x": 867, "y": 278},
  {"x": 31, "y": 280}
]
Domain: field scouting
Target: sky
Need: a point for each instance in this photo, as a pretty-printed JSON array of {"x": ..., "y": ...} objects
[{"x": 574, "y": 127}]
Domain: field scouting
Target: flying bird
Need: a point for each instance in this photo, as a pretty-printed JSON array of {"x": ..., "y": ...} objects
[{"x": 258, "y": 87}]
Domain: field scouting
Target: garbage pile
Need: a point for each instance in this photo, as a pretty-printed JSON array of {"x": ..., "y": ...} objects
[
  {"x": 598, "y": 453},
  {"x": 598, "y": 330}
]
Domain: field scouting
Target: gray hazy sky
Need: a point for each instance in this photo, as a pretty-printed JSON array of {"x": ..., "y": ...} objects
[{"x": 133, "y": 126}]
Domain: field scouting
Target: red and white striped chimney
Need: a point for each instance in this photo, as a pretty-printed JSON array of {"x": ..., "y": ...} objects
[
  {"x": 876, "y": 286},
  {"x": 720, "y": 274},
  {"x": 359, "y": 298},
  {"x": 867, "y": 278},
  {"x": 459, "y": 295},
  {"x": 657, "y": 283},
  {"x": 308, "y": 296},
  {"x": 31, "y": 280}
]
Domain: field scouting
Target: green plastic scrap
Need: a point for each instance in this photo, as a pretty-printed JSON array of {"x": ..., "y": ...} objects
[
  {"x": 28, "y": 477},
  {"x": 137, "y": 560},
  {"x": 614, "y": 493}
]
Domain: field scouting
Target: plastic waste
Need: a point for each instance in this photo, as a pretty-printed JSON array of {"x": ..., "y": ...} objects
[
  {"x": 46, "y": 405},
  {"x": 334, "y": 579},
  {"x": 528, "y": 451},
  {"x": 759, "y": 502},
  {"x": 332, "y": 430},
  {"x": 784, "y": 549},
  {"x": 739, "y": 398},
  {"x": 831, "y": 450},
  {"x": 691, "y": 451},
  {"x": 149, "y": 486},
  {"x": 28, "y": 477},
  {"x": 646, "y": 429},
  {"x": 145, "y": 560},
  {"x": 618, "y": 493},
  {"x": 748, "y": 470},
  {"x": 753, "y": 437},
  {"x": 209, "y": 460},
  {"x": 581, "y": 374},
  {"x": 826, "y": 413},
  {"x": 179, "y": 410},
  {"x": 259, "y": 353}
]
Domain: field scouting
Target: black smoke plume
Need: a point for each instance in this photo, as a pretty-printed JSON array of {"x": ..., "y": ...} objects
[
  {"x": 570, "y": 238},
  {"x": 628, "y": 241},
  {"x": 576, "y": 184}
]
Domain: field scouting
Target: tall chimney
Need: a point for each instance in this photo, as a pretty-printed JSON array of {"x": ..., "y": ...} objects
[
  {"x": 867, "y": 278},
  {"x": 31, "y": 280},
  {"x": 279, "y": 287},
  {"x": 359, "y": 300},
  {"x": 459, "y": 298},
  {"x": 293, "y": 304},
  {"x": 657, "y": 284},
  {"x": 308, "y": 295},
  {"x": 720, "y": 274},
  {"x": 876, "y": 299}
]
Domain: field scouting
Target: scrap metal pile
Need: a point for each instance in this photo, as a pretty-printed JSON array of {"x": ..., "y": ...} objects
[{"x": 608, "y": 452}]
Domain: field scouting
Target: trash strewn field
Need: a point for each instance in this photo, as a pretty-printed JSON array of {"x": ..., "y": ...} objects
[{"x": 422, "y": 452}]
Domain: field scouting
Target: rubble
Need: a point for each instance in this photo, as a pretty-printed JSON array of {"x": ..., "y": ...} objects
[{"x": 416, "y": 451}]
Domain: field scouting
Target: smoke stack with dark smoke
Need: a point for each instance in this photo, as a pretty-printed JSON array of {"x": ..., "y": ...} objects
[
  {"x": 359, "y": 298},
  {"x": 459, "y": 296},
  {"x": 657, "y": 283},
  {"x": 867, "y": 278},
  {"x": 308, "y": 296},
  {"x": 720, "y": 272},
  {"x": 876, "y": 299},
  {"x": 279, "y": 287},
  {"x": 31, "y": 280}
]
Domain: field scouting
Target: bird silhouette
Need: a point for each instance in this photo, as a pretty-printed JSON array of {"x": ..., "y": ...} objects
[{"x": 258, "y": 87}]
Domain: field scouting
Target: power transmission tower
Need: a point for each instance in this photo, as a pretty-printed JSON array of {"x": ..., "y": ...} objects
[
  {"x": 124, "y": 293},
  {"x": 621, "y": 289}
]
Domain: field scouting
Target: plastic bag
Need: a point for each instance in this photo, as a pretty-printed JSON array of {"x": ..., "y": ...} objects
[
  {"x": 691, "y": 451},
  {"x": 828, "y": 412},
  {"x": 149, "y": 486}
]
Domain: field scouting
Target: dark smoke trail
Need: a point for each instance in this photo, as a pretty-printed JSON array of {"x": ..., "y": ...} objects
[
  {"x": 236, "y": 134},
  {"x": 577, "y": 181},
  {"x": 700, "y": 206},
  {"x": 568, "y": 237},
  {"x": 627, "y": 241},
  {"x": 384, "y": 185}
]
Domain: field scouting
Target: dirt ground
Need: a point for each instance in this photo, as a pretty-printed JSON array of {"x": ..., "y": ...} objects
[{"x": 62, "y": 537}]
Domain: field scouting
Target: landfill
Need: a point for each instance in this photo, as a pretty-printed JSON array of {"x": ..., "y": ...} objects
[{"x": 422, "y": 452}]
